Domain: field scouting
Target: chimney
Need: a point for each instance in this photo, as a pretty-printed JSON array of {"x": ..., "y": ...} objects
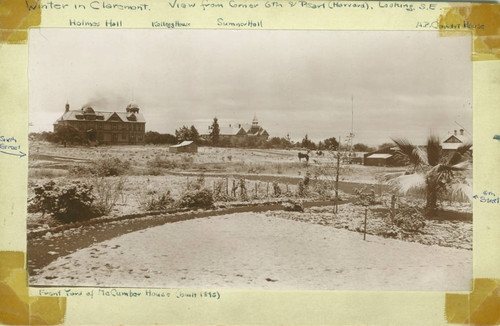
[
  {"x": 461, "y": 132},
  {"x": 455, "y": 132},
  {"x": 239, "y": 125}
]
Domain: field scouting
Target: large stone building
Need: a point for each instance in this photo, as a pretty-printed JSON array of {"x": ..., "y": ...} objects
[
  {"x": 105, "y": 127},
  {"x": 238, "y": 134}
]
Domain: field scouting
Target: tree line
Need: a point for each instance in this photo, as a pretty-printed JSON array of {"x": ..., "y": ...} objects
[{"x": 69, "y": 134}]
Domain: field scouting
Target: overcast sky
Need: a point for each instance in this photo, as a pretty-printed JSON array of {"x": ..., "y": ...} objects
[{"x": 297, "y": 82}]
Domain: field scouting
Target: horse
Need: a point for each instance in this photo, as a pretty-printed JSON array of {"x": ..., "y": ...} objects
[{"x": 302, "y": 155}]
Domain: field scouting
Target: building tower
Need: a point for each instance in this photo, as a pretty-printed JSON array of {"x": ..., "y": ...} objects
[
  {"x": 67, "y": 107},
  {"x": 255, "y": 122}
]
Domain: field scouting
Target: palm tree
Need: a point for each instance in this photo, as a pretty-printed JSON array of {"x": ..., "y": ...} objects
[{"x": 432, "y": 172}]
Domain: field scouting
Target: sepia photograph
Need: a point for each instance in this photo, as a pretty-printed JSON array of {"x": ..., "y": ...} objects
[{"x": 250, "y": 159}]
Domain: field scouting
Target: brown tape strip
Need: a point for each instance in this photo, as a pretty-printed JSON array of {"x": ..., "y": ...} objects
[
  {"x": 16, "y": 306},
  {"x": 16, "y": 18},
  {"x": 483, "y": 20},
  {"x": 480, "y": 307}
]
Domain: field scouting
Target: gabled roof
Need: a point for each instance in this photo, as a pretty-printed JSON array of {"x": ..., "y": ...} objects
[
  {"x": 456, "y": 139},
  {"x": 232, "y": 131},
  {"x": 77, "y": 115}
]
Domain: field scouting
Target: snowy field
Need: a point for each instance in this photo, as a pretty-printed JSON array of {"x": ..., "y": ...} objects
[{"x": 254, "y": 251}]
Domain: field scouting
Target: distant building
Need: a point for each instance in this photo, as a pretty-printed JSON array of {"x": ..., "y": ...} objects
[
  {"x": 455, "y": 141},
  {"x": 105, "y": 127},
  {"x": 383, "y": 157},
  {"x": 238, "y": 134},
  {"x": 186, "y": 146}
]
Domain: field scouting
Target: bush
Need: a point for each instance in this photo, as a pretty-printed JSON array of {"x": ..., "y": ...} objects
[
  {"x": 154, "y": 201},
  {"x": 163, "y": 163},
  {"x": 220, "y": 191},
  {"x": 409, "y": 218},
  {"x": 303, "y": 187},
  {"x": 276, "y": 189},
  {"x": 363, "y": 197},
  {"x": 108, "y": 192},
  {"x": 104, "y": 167},
  {"x": 197, "y": 199},
  {"x": 110, "y": 166},
  {"x": 66, "y": 204},
  {"x": 292, "y": 206}
]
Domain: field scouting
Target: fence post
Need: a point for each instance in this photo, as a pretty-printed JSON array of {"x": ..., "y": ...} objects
[
  {"x": 267, "y": 190},
  {"x": 366, "y": 212},
  {"x": 227, "y": 186}
]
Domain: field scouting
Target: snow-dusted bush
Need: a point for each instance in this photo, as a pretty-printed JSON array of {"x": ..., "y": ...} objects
[
  {"x": 197, "y": 199},
  {"x": 409, "y": 218},
  {"x": 69, "y": 203}
]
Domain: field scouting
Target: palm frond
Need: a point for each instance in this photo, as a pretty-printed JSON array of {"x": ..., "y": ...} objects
[
  {"x": 459, "y": 154},
  {"x": 408, "y": 151},
  {"x": 461, "y": 191},
  {"x": 407, "y": 183},
  {"x": 392, "y": 175},
  {"x": 462, "y": 166},
  {"x": 433, "y": 150}
]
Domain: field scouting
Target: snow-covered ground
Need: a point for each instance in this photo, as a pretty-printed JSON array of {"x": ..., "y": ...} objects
[{"x": 254, "y": 251}]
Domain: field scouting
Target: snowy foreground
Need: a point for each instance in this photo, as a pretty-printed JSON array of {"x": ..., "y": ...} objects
[{"x": 253, "y": 251}]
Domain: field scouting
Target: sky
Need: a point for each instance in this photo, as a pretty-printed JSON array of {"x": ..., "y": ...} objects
[{"x": 398, "y": 84}]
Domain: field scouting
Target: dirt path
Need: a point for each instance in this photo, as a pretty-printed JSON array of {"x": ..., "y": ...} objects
[{"x": 251, "y": 250}]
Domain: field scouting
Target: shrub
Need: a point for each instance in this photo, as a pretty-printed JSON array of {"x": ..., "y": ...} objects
[
  {"x": 292, "y": 206},
  {"x": 69, "y": 203},
  {"x": 243, "y": 190},
  {"x": 276, "y": 189},
  {"x": 108, "y": 192},
  {"x": 409, "y": 218},
  {"x": 110, "y": 166},
  {"x": 197, "y": 199},
  {"x": 322, "y": 189},
  {"x": 363, "y": 197},
  {"x": 103, "y": 167},
  {"x": 219, "y": 192},
  {"x": 154, "y": 201},
  {"x": 164, "y": 163},
  {"x": 302, "y": 189}
]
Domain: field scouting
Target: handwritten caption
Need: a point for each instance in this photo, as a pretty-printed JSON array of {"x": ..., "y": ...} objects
[
  {"x": 232, "y": 4},
  {"x": 130, "y": 293},
  {"x": 487, "y": 197},
  {"x": 9, "y": 146}
]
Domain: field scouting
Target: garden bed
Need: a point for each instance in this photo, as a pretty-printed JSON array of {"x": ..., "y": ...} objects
[{"x": 449, "y": 229}]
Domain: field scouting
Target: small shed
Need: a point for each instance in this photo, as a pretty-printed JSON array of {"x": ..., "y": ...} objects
[
  {"x": 383, "y": 157},
  {"x": 187, "y": 146}
]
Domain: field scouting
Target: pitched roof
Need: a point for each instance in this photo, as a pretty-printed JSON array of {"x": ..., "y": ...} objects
[
  {"x": 231, "y": 131},
  {"x": 183, "y": 144},
  {"x": 379, "y": 156},
  {"x": 78, "y": 115},
  {"x": 456, "y": 139}
]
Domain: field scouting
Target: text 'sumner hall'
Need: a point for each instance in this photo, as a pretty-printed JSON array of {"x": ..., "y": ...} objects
[{"x": 106, "y": 127}]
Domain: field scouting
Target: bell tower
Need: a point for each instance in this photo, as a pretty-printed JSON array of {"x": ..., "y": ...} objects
[
  {"x": 255, "y": 122},
  {"x": 67, "y": 107}
]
